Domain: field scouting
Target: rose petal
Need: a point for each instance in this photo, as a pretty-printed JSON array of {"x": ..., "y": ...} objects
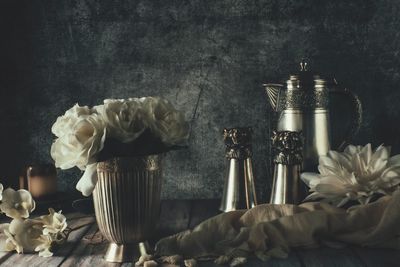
[{"x": 88, "y": 181}]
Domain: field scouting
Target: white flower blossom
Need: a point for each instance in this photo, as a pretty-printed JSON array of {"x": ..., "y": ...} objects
[
  {"x": 23, "y": 235},
  {"x": 124, "y": 118},
  {"x": 80, "y": 146},
  {"x": 356, "y": 174},
  {"x": 53, "y": 223},
  {"x": 3, "y": 236},
  {"x": 11, "y": 244},
  {"x": 45, "y": 243},
  {"x": 17, "y": 204},
  {"x": 28, "y": 235},
  {"x": 165, "y": 121},
  {"x": 64, "y": 124}
]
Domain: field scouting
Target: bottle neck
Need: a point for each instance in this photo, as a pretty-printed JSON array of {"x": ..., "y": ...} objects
[{"x": 240, "y": 153}]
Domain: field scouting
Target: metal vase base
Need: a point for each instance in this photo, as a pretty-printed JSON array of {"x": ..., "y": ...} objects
[{"x": 126, "y": 253}]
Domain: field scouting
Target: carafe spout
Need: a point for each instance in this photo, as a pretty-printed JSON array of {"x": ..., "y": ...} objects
[{"x": 274, "y": 93}]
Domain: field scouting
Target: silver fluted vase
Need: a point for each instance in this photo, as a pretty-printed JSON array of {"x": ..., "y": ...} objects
[{"x": 127, "y": 203}]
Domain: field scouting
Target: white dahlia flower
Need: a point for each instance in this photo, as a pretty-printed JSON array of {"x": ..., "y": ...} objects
[{"x": 355, "y": 174}]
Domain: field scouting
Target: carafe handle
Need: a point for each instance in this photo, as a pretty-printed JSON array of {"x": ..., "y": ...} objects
[{"x": 357, "y": 119}]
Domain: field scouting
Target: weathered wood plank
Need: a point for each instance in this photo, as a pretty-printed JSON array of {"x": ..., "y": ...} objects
[
  {"x": 329, "y": 257},
  {"x": 203, "y": 209},
  {"x": 89, "y": 251},
  {"x": 4, "y": 256},
  {"x": 32, "y": 260},
  {"x": 378, "y": 257}
]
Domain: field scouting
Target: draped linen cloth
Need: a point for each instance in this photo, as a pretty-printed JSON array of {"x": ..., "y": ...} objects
[{"x": 270, "y": 230}]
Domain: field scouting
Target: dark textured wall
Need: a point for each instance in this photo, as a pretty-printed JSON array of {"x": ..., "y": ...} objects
[{"x": 208, "y": 57}]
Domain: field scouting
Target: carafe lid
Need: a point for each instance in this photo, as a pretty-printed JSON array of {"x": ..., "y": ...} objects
[{"x": 303, "y": 79}]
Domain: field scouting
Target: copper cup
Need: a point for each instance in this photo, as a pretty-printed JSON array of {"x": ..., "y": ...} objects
[{"x": 40, "y": 180}]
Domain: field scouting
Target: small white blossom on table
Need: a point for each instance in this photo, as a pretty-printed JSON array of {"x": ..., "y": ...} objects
[{"x": 29, "y": 235}]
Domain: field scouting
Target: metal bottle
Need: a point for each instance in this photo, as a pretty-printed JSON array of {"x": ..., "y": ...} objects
[
  {"x": 303, "y": 106},
  {"x": 287, "y": 187},
  {"x": 239, "y": 191}
]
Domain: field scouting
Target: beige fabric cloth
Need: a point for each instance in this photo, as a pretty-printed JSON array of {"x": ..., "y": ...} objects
[{"x": 271, "y": 230}]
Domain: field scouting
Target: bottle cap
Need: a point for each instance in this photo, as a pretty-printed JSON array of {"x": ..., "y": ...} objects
[{"x": 238, "y": 142}]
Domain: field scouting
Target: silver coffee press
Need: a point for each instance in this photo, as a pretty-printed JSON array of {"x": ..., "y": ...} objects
[
  {"x": 303, "y": 105},
  {"x": 239, "y": 190}
]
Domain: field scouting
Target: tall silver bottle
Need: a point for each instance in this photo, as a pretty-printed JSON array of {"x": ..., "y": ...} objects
[
  {"x": 239, "y": 190},
  {"x": 303, "y": 106},
  {"x": 286, "y": 186}
]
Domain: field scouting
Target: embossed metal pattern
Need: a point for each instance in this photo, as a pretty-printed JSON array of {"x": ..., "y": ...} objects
[
  {"x": 295, "y": 97},
  {"x": 127, "y": 198},
  {"x": 238, "y": 142},
  {"x": 288, "y": 147},
  {"x": 286, "y": 186},
  {"x": 304, "y": 99}
]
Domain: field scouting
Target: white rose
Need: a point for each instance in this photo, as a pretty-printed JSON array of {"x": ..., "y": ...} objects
[
  {"x": 165, "y": 121},
  {"x": 124, "y": 118},
  {"x": 80, "y": 146},
  {"x": 17, "y": 204},
  {"x": 88, "y": 181},
  {"x": 64, "y": 124}
]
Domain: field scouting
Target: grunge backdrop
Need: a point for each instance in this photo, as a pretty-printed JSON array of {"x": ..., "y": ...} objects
[{"x": 208, "y": 57}]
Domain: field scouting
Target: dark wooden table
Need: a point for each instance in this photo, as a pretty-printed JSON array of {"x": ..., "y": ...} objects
[{"x": 85, "y": 248}]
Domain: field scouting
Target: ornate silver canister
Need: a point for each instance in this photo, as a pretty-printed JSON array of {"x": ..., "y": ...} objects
[
  {"x": 287, "y": 186},
  {"x": 127, "y": 202},
  {"x": 239, "y": 191}
]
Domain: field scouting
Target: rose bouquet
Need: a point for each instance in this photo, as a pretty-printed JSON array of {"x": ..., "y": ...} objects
[
  {"x": 118, "y": 128},
  {"x": 358, "y": 174},
  {"x": 28, "y": 235}
]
